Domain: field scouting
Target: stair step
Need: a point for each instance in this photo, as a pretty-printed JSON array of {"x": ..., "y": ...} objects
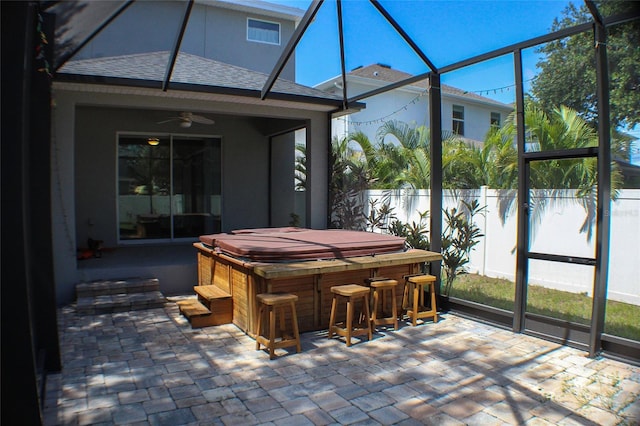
[
  {"x": 108, "y": 296},
  {"x": 211, "y": 292},
  {"x": 199, "y": 315},
  {"x": 127, "y": 285},
  {"x": 191, "y": 308}
]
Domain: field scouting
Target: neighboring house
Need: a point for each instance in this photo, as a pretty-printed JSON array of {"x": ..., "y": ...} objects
[
  {"x": 147, "y": 171},
  {"x": 463, "y": 113}
]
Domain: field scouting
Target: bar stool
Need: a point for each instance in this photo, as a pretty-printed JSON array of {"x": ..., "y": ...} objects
[
  {"x": 352, "y": 292},
  {"x": 383, "y": 287},
  {"x": 413, "y": 298},
  {"x": 277, "y": 303}
]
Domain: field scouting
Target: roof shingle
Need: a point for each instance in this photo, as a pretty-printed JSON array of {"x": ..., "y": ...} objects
[{"x": 188, "y": 69}]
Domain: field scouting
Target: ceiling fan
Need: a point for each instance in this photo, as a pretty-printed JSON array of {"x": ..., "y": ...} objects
[{"x": 187, "y": 118}]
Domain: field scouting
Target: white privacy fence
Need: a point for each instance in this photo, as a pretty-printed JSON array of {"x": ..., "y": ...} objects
[{"x": 558, "y": 231}]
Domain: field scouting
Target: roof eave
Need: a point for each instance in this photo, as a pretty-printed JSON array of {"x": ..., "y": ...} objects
[{"x": 331, "y": 104}]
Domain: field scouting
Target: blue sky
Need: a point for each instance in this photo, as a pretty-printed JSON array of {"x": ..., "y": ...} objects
[{"x": 447, "y": 31}]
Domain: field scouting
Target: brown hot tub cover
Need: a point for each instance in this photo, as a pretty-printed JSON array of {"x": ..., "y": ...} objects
[{"x": 284, "y": 244}]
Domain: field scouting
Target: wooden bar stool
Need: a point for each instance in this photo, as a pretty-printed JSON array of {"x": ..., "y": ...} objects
[
  {"x": 382, "y": 289},
  {"x": 413, "y": 298},
  {"x": 277, "y": 303},
  {"x": 352, "y": 292}
]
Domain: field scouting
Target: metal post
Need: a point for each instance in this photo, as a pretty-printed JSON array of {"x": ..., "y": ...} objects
[
  {"x": 522, "y": 262},
  {"x": 435, "y": 125},
  {"x": 603, "y": 214}
]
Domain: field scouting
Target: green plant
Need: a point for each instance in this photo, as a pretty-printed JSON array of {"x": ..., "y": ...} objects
[
  {"x": 414, "y": 233},
  {"x": 459, "y": 237},
  {"x": 379, "y": 217},
  {"x": 295, "y": 219},
  {"x": 347, "y": 211}
]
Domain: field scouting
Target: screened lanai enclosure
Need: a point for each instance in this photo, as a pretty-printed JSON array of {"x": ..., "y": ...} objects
[{"x": 502, "y": 134}]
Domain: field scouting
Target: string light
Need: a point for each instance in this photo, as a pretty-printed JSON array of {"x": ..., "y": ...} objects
[
  {"x": 386, "y": 117},
  {"x": 496, "y": 89}
]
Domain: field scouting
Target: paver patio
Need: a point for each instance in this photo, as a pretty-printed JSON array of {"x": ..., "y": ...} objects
[{"x": 151, "y": 367}]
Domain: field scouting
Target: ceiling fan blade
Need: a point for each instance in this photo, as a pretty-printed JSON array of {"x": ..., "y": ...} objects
[
  {"x": 200, "y": 119},
  {"x": 169, "y": 120}
]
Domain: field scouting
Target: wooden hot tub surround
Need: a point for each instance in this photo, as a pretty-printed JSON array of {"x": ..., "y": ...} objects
[{"x": 310, "y": 280}]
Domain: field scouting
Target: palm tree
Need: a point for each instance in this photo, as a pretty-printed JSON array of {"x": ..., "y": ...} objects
[
  {"x": 300, "y": 167},
  {"x": 551, "y": 181}
]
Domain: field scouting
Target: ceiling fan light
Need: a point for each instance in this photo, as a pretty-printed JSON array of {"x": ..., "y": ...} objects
[
  {"x": 153, "y": 141},
  {"x": 185, "y": 124}
]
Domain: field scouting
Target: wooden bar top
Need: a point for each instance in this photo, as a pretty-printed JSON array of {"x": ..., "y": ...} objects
[{"x": 325, "y": 266}]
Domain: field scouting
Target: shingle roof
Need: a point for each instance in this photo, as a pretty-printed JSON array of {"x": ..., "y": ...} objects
[
  {"x": 189, "y": 70},
  {"x": 388, "y": 75}
]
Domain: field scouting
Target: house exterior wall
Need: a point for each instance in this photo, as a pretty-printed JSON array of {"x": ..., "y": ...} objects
[
  {"x": 411, "y": 105},
  {"x": 385, "y": 107},
  {"x": 477, "y": 117},
  {"x": 213, "y": 32},
  {"x": 84, "y": 182}
]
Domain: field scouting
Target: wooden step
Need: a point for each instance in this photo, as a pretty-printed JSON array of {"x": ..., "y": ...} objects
[
  {"x": 211, "y": 292},
  {"x": 200, "y": 316},
  {"x": 191, "y": 308}
]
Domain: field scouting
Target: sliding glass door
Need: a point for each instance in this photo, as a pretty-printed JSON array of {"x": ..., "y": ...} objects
[{"x": 168, "y": 187}]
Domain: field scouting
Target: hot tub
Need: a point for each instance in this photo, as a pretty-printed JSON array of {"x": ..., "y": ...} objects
[
  {"x": 287, "y": 244},
  {"x": 303, "y": 262}
]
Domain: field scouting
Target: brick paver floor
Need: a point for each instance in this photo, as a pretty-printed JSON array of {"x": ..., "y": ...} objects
[{"x": 151, "y": 367}]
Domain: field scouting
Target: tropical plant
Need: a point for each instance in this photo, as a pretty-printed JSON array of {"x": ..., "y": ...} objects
[
  {"x": 300, "y": 167},
  {"x": 414, "y": 233},
  {"x": 405, "y": 160},
  {"x": 378, "y": 217},
  {"x": 459, "y": 237},
  {"x": 349, "y": 180}
]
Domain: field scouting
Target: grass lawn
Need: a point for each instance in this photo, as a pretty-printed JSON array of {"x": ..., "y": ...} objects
[{"x": 622, "y": 319}]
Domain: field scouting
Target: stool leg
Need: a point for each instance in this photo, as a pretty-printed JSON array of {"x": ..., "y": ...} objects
[
  {"x": 294, "y": 322},
  {"x": 282, "y": 321},
  {"x": 332, "y": 317},
  {"x": 433, "y": 303},
  {"x": 394, "y": 308},
  {"x": 405, "y": 296},
  {"x": 349, "y": 320},
  {"x": 367, "y": 317},
  {"x": 258, "y": 326},
  {"x": 416, "y": 301},
  {"x": 272, "y": 331},
  {"x": 374, "y": 308}
]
